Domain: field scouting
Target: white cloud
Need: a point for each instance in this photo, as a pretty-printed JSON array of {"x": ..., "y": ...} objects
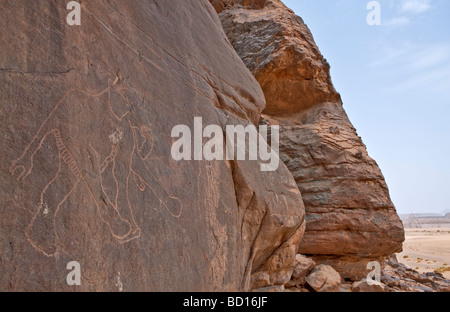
[
  {"x": 407, "y": 11},
  {"x": 423, "y": 66},
  {"x": 433, "y": 56},
  {"x": 415, "y": 6}
]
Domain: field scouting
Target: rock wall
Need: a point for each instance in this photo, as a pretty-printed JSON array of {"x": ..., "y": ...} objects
[
  {"x": 351, "y": 219},
  {"x": 86, "y": 171}
]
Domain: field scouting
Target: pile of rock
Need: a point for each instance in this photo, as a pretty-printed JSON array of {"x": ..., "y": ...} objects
[
  {"x": 308, "y": 277},
  {"x": 350, "y": 218},
  {"x": 398, "y": 277},
  {"x": 395, "y": 277}
]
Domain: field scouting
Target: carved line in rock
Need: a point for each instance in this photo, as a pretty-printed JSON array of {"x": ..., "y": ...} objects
[
  {"x": 108, "y": 209},
  {"x": 194, "y": 66}
]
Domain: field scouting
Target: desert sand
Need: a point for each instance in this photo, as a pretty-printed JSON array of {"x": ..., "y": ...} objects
[{"x": 426, "y": 250}]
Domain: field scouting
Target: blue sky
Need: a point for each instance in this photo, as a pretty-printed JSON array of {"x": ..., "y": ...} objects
[{"x": 394, "y": 80}]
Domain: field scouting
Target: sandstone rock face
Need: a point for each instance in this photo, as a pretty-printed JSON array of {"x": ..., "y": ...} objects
[
  {"x": 279, "y": 49},
  {"x": 278, "y": 268},
  {"x": 86, "y": 170},
  {"x": 350, "y": 216},
  {"x": 221, "y": 5}
]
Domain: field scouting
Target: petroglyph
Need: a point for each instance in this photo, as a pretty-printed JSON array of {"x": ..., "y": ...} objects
[
  {"x": 119, "y": 150},
  {"x": 119, "y": 283},
  {"x": 116, "y": 137}
]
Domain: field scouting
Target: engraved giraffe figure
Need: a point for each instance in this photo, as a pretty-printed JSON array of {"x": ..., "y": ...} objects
[{"x": 115, "y": 153}]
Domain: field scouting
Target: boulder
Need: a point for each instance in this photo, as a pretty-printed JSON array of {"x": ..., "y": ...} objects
[
  {"x": 303, "y": 266},
  {"x": 324, "y": 279}
]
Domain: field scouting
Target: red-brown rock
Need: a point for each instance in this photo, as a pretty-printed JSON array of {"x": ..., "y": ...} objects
[
  {"x": 351, "y": 219},
  {"x": 86, "y": 170}
]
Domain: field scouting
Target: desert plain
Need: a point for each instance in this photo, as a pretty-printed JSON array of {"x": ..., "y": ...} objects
[{"x": 427, "y": 250}]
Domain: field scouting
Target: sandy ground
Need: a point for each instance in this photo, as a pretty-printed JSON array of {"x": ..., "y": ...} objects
[{"x": 427, "y": 249}]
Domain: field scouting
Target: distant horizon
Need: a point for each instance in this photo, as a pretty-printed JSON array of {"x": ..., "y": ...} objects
[
  {"x": 394, "y": 80},
  {"x": 442, "y": 213}
]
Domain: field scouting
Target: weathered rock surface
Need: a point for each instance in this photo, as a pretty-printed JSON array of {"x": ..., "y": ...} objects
[
  {"x": 86, "y": 172},
  {"x": 303, "y": 266},
  {"x": 276, "y": 288},
  {"x": 365, "y": 286},
  {"x": 324, "y": 279},
  {"x": 351, "y": 219},
  {"x": 278, "y": 268}
]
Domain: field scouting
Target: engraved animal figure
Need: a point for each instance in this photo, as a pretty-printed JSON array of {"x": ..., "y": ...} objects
[{"x": 105, "y": 155}]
